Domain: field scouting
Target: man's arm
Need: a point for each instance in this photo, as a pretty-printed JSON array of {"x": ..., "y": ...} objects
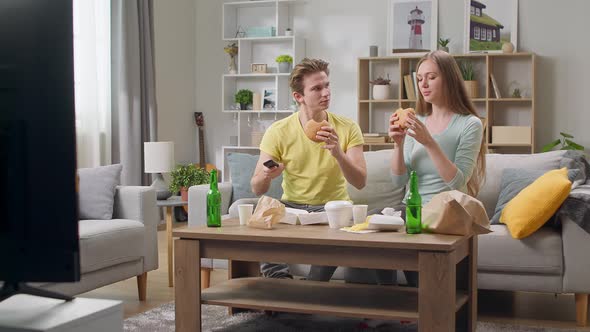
[
  {"x": 353, "y": 166},
  {"x": 263, "y": 175}
]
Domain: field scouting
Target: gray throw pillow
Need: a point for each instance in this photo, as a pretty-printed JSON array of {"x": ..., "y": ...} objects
[
  {"x": 96, "y": 196},
  {"x": 514, "y": 180},
  {"x": 241, "y": 169}
]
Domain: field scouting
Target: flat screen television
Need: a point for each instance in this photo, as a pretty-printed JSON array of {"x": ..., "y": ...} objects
[{"x": 39, "y": 219}]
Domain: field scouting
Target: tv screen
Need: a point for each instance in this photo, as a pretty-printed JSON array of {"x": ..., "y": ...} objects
[{"x": 39, "y": 222}]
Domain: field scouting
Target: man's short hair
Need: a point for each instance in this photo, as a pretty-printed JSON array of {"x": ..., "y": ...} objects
[{"x": 306, "y": 67}]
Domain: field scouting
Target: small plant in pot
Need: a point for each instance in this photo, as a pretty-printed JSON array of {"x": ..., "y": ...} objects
[
  {"x": 567, "y": 143},
  {"x": 443, "y": 42},
  {"x": 468, "y": 73},
  {"x": 244, "y": 98},
  {"x": 285, "y": 61},
  {"x": 381, "y": 88},
  {"x": 185, "y": 176}
]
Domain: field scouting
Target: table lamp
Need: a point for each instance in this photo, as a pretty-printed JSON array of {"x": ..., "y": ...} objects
[{"x": 158, "y": 159}]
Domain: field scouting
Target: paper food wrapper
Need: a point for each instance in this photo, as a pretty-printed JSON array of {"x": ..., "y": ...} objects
[
  {"x": 455, "y": 213},
  {"x": 268, "y": 212}
]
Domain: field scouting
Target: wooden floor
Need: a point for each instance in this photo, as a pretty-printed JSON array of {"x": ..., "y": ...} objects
[{"x": 533, "y": 309}]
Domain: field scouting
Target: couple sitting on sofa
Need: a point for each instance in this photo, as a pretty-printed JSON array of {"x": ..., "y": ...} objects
[{"x": 444, "y": 147}]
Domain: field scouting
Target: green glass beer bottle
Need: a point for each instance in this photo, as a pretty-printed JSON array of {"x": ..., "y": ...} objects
[
  {"x": 414, "y": 207},
  {"x": 213, "y": 202}
]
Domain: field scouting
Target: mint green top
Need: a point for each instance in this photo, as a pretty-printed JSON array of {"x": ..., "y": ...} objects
[{"x": 460, "y": 142}]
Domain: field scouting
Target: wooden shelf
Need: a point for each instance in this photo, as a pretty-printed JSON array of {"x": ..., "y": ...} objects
[
  {"x": 492, "y": 145},
  {"x": 379, "y": 101},
  {"x": 275, "y": 38},
  {"x": 511, "y": 99},
  {"x": 326, "y": 298},
  {"x": 257, "y": 75}
]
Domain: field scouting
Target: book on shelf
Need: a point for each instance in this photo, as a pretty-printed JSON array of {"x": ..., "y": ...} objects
[
  {"x": 495, "y": 86},
  {"x": 409, "y": 85},
  {"x": 374, "y": 134},
  {"x": 372, "y": 140}
]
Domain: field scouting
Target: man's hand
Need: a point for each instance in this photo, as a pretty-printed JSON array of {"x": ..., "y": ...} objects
[
  {"x": 328, "y": 135},
  {"x": 273, "y": 172}
]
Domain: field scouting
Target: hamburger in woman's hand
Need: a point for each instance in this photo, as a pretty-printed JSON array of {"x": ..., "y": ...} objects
[
  {"x": 312, "y": 127},
  {"x": 402, "y": 114}
]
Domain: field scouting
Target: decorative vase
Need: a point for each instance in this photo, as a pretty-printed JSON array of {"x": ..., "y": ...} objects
[
  {"x": 284, "y": 67},
  {"x": 380, "y": 92},
  {"x": 443, "y": 48},
  {"x": 507, "y": 47},
  {"x": 471, "y": 87},
  {"x": 288, "y": 32},
  {"x": 243, "y": 106},
  {"x": 232, "y": 65},
  {"x": 184, "y": 194}
]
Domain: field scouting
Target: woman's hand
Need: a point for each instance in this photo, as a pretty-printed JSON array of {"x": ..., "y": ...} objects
[
  {"x": 396, "y": 133},
  {"x": 417, "y": 129}
]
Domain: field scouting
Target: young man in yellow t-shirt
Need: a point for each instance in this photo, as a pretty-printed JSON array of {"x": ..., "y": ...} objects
[{"x": 314, "y": 173}]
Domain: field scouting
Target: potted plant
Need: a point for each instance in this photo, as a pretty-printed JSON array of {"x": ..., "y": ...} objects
[
  {"x": 288, "y": 32},
  {"x": 468, "y": 73},
  {"x": 566, "y": 143},
  {"x": 244, "y": 98},
  {"x": 442, "y": 42},
  {"x": 232, "y": 50},
  {"x": 184, "y": 176},
  {"x": 381, "y": 88},
  {"x": 284, "y": 61}
]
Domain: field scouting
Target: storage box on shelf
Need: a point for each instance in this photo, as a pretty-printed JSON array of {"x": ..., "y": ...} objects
[{"x": 510, "y": 71}]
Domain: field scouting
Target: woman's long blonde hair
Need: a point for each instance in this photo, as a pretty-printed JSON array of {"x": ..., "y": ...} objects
[{"x": 456, "y": 99}]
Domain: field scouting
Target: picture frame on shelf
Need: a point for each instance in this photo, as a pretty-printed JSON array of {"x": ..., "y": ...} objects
[
  {"x": 412, "y": 26},
  {"x": 258, "y": 68},
  {"x": 269, "y": 100},
  {"x": 489, "y": 24}
]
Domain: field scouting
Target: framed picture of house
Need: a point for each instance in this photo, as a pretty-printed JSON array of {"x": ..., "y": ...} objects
[
  {"x": 412, "y": 26},
  {"x": 489, "y": 24},
  {"x": 269, "y": 99}
]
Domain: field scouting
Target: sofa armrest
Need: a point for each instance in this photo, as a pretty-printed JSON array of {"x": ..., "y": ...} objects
[
  {"x": 197, "y": 202},
  {"x": 576, "y": 246},
  {"x": 139, "y": 203}
]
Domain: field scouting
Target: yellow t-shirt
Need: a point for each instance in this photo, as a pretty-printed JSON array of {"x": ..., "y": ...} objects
[{"x": 311, "y": 175}]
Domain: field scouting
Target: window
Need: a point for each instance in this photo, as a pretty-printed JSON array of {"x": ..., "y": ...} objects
[
  {"x": 494, "y": 33},
  {"x": 476, "y": 33},
  {"x": 478, "y": 11},
  {"x": 489, "y": 34},
  {"x": 92, "y": 81},
  {"x": 472, "y": 10}
]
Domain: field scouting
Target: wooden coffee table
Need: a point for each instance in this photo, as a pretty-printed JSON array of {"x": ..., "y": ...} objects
[{"x": 446, "y": 299}]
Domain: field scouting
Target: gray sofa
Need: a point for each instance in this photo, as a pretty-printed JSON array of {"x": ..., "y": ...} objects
[
  {"x": 120, "y": 248},
  {"x": 551, "y": 260}
]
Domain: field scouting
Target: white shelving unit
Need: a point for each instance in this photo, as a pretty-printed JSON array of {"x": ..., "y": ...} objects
[{"x": 237, "y": 18}]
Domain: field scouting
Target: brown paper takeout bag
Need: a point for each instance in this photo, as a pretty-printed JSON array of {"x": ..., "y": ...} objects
[
  {"x": 268, "y": 212},
  {"x": 453, "y": 212}
]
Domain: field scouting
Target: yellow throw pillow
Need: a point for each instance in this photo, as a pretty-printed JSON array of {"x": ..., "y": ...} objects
[{"x": 535, "y": 204}]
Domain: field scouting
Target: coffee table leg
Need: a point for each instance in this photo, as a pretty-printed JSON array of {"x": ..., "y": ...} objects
[
  {"x": 437, "y": 292},
  {"x": 466, "y": 318},
  {"x": 242, "y": 269},
  {"x": 187, "y": 292},
  {"x": 169, "y": 240}
]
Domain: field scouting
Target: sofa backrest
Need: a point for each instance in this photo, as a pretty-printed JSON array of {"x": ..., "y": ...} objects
[
  {"x": 496, "y": 163},
  {"x": 379, "y": 191}
]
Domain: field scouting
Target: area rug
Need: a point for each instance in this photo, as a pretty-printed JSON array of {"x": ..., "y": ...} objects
[{"x": 215, "y": 318}]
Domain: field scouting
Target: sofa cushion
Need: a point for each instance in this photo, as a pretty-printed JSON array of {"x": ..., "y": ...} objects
[
  {"x": 496, "y": 163},
  {"x": 540, "y": 253},
  {"x": 514, "y": 180},
  {"x": 107, "y": 243},
  {"x": 241, "y": 169},
  {"x": 535, "y": 204},
  {"x": 96, "y": 195},
  {"x": 379, "y": 192}
]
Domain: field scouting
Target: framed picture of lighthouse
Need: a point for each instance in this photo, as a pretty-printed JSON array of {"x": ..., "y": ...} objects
[
  {"x": 489, "y": 24},
  {"x": 411, "y": 26}
]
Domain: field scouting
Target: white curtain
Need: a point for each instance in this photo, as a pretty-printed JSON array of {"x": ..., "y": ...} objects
[{"x": 92, "y": 77}]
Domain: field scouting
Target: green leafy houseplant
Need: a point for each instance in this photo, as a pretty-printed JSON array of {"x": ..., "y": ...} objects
[
  {"x": 284, "y": 58},
  {"x": 444, "y": 42},
  {"x": 467, "y": 70},
  {"x": 566, "y": 143},
  {"x": 243, "y": 97},
  {"x": 184, "y": 176}
]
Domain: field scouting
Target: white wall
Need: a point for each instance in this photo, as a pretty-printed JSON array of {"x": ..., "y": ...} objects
[
  {"x": 339, "y": 31},
  {"x": 174, "y": 40}
]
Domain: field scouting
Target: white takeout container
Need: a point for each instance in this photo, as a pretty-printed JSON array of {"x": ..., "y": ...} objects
[
  {"x": 339, "y": 213},
  {"x": 385, "y": 223}
]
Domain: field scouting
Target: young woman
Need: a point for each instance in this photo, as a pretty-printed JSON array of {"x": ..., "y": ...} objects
[{"x": 444, "y": 141}]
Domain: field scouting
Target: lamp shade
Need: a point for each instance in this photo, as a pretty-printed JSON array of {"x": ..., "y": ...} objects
[{"x": 158, "y": 157}]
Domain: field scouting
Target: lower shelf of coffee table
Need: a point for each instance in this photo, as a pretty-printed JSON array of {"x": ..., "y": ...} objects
[{"x": 326, "y": 298}]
